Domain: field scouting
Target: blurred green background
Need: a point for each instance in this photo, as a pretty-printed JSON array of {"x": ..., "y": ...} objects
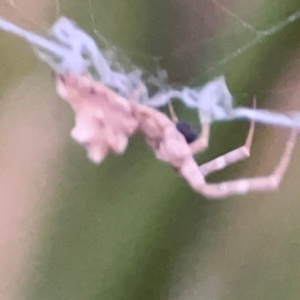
[{"x": 131, "y": 228}]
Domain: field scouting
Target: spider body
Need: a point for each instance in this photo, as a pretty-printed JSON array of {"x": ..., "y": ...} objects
[{"x": 104, "y": 121}]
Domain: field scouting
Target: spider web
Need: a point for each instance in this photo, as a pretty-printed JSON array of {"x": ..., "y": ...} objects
[
  {"x": 229, "y": 26},
  {"x": 241, "y": 34}
]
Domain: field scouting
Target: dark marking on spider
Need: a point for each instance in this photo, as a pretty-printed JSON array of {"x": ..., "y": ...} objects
[{"x": 187, "y": 131}]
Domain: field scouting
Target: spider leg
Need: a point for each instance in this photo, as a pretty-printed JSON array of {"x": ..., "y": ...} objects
[
  {"x": 262, "y": 183},
  {"x": 201, "y": 143},
  {"x": 172, "y": 113},
  {"x": 231, "y": 157}
]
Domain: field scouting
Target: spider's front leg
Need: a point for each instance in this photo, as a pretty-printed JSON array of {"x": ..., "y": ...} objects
[
  {"x": 262, "y": 183},
  {"x": 201, "y": 143},
  {"x": 231, "y": 157}
]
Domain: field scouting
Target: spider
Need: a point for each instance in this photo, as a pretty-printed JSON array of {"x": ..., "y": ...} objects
[{"x": 104, "y": 121}]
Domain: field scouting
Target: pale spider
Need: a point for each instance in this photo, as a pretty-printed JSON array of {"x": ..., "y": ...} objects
[{"x": 105, "y": 121}]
